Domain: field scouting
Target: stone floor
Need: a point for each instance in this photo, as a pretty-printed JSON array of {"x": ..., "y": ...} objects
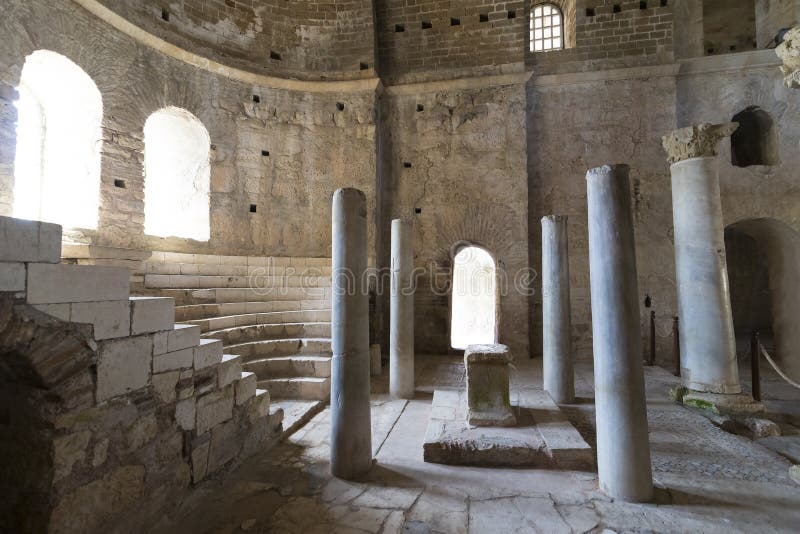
[{"x": 707, "y": 480}]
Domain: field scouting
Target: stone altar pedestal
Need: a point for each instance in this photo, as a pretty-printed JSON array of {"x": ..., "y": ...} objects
[{"x": 488, "y": 398}]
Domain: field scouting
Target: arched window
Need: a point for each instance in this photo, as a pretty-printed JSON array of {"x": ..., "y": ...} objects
[
  {"x": 755, "y": 142},
  {"x": 546, "y": 28},
  {"x": 474, "y": 299},
  {"x": 59, "y": 135},
  {"x": 177, "y": 174}
]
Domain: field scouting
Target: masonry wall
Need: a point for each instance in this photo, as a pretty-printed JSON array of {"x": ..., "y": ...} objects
[
  {"x": 314, "y": 146},
  {"x": 454, "y": 161},
  {"x": 307, "y": 39}
]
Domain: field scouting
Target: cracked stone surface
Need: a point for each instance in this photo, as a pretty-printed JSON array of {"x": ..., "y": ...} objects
[{"x": 706, "y": 479}]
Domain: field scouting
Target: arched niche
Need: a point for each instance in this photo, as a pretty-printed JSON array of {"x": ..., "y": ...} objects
[{"x": 755, "y": 142}]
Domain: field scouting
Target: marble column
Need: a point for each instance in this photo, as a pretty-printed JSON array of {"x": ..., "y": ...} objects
[
  {"x": 623, "y": 447},
  {"x": 708, "y": 345},
  {"x": 401, "y": 312},
  {"x": 559, "y": 380},
  {"x": 351, "y": 441}
]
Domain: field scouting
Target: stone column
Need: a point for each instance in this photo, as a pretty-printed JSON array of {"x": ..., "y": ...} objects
[
  {"x": 708, "y": 345},
  {"x": 623, "y": 447},
  {"x": 351, "y": 441},
  {"x": 401, "y": 316},
  {"x": 556, "y": 325}
]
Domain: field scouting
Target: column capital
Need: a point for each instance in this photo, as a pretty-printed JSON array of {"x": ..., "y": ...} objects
[
  {"x": 696, "y": 141},
  {"x": 789, "y": 52}
]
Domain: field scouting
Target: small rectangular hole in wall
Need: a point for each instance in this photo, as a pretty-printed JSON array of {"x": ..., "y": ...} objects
[
  {"x": 340, "y": 106},
  {"x": 399, "y": 28},
  {"x": 265, "y": 153},
  {"x": 617, "y": 8},
  {"x": 256, "y": 99},
  {"x": 484, "y": 17},
  {"x": 274, "y": 55},
  {"x": 165, "y": 15},
  {"x": 417, "y": 210},
  {"x": 253, "y": 208},
  {"x": 426, "y": 25},
  {"x": 590, "y": 12},
  {"x": 512, "y": 14},
  {"x": 363, "y": 66},
  {"x": 119, "y": 183},
  {"x": 455, "y": 22},
  {"x": 732, "y": 48},
  {"x": 664, "y": 3},
  {"x": 407, "y": 164},
  {"x": 643, "y": 4},
  {"x": 420, "y": 108}
]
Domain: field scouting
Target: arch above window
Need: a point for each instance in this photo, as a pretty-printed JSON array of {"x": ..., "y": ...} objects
[
  {"x": 177, "y": 175},
  {"x": 474, "y": 298},
  {"x": 546, "y": 28},
  {"x": 59, "y": 136}
]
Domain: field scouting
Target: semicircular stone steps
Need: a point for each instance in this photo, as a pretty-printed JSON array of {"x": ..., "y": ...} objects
[{"x": 274, "y": 313}]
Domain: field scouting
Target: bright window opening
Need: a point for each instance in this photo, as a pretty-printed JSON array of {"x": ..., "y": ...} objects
[
  {"x": 474, "y": 314},
  {"x": 59, "y": 135},
  {"x": 177, "y": 175},
  {"x": 546, "y": 28}
]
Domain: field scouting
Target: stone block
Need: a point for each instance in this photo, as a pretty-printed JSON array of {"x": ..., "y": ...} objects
[
  {"x": 164, "y": 385},
  {"x": 214, "y": 409},
  {"x": 123, "y": 366},
  {"x": 230, "y": 369},
  {"x": 67, "y": 451},
  {"x": 260, "y": 406},
  {"x": 53, "y": 284},
  {"x": 110, "y": 319},
  {"x": 179, "y": 359},
  {"x": 207, "y": 353},
  {"x": 59, "y": 311},
  {"x": 488, "y": 398},
  {"x": 181, "y": 336},
  {"x": 12, "y": 277},
  {"x": 185, "y": 413},
  {"x": 29, "y": 241},
  {"x": 246, "y": 387},
  {"x": 152, "y": 314},
  {"x": 200, "y": 461}
]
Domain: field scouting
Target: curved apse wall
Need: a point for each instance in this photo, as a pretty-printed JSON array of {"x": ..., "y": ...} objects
[{"x": 304, "y": 39}]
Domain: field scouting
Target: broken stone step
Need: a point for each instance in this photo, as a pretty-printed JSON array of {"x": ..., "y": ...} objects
[
  {"x": 307, "y": 388},
  {"x": 224, "y": 322},
  {"x": 281, "y": 347},
  {"x": 291, "y": 366},
  {"x": 296, "y": 413},
  {"x": 256, "y": 282},
  {"x": 242, "y": 334},
  {"x": 201, "y": 269}
]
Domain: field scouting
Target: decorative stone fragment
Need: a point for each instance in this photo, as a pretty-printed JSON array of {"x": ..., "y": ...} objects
[
  {"x": 789, "y": 52},
  {"x": 488, "y": 398},
  {"x": 696, "y": 141}
]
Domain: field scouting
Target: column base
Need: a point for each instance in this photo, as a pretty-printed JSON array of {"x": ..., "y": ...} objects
[
  {"x": 482, "y": 418},
  {"x": 718, "y": 403}
]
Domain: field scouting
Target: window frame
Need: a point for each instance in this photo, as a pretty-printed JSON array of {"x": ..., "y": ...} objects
[{"x": 555, "y": 10}]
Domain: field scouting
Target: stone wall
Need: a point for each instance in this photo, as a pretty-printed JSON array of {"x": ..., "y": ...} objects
[
  {"x": 285, "y": 154},
  {"x": 434, "y": 39},
  {"x": 729, "y": 26},
  {"x": 454, "y": 160},
  {"x": 307, "y": 39}
]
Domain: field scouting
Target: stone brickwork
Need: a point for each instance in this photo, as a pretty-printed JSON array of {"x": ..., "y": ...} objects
[
  {"x": 109, "y": 410},
  {"x": 308, "y": 39},
  {"x": 617, "y": 34},
  {"x": 423, "y": 36}
]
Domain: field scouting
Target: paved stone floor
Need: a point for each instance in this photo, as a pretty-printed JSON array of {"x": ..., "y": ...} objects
[{"x": 707, "y": 480}]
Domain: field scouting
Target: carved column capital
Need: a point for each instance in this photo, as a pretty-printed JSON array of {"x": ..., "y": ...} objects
[
  {"x": 789, "y": 52},
  {"x": 696, "y": 141}
]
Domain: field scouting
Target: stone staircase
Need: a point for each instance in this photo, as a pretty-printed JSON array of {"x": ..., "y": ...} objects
[
  {"x": 113, "y": 353},
  {"x": 273, "y": 312}
]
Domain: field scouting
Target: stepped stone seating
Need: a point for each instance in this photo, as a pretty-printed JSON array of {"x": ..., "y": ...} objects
[
  {"x": 186, "y": 407},
  {"x": 273, "y": 311}
]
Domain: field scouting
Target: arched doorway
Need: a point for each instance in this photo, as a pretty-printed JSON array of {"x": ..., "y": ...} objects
[
  {"x": 763, "y": 257},
  {"x": 177, "y": 175},
  {"x": 473, "y": 316},
  {"x": 59, "y": 135}
]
